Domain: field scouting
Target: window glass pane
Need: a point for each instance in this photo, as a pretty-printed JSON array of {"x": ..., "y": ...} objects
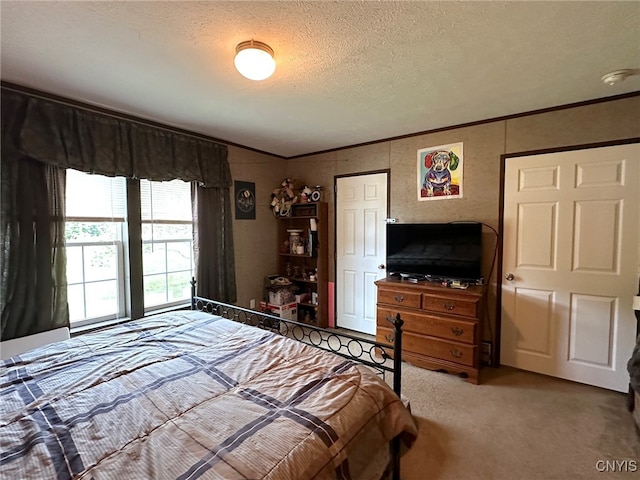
[
  {"x": 155, "y": 290},
  {"x": 153, "y": 258},
  {"x": 102, "y": 298},
  {"x": 158, "y": 231},
  {"x": 100, "y": 262},
  {"x": 179, "y": 256},
  {"x": 95, "y": 196},
  {"x": 165, "y": 200},
  {"x": 74, "y": 264},
  {"x": 96, "y": 213},
  {"x": 179, "y": 287},
  {"x": 75, "y": 297},
  {"x": 92, "y": 231},
  {"x": 166, "y": 217}
]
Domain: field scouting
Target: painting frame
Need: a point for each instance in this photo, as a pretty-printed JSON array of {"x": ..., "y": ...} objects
[
  {"x": 245, "y": 200},
  {"x": 440, "y": 172}
]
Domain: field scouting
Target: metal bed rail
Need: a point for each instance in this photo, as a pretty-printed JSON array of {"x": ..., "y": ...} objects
[{"x": 372, "y": 353}]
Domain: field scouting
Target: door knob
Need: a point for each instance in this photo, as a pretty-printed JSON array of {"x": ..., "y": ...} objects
[
  {"x": 509, "y": 276},
  {"x": 381, "y": 266}
]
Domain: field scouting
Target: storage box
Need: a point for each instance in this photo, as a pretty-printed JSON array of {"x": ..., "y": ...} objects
[
  {"x": 288, "y": 311},
  {"x": 281, "y": 296}
]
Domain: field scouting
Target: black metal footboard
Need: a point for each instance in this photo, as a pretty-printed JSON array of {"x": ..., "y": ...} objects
[{"x": 368, "y": 352}]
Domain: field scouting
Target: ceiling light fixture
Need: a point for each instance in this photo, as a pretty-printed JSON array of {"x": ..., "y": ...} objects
[
  {"x": 254, "y": 60},
  {"x": 617, "y": 76}
]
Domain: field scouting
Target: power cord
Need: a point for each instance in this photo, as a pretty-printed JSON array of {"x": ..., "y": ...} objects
[{"x": 493, "y": 264}]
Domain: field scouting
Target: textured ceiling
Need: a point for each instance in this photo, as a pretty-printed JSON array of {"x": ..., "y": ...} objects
[{"x": 347, "y": 72}]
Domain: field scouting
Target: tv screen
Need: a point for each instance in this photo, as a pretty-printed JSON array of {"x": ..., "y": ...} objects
[{"x": 436, "y": 250}]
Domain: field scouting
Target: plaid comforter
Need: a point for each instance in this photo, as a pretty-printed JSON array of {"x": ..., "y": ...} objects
[{"x": 189, "y": 395}]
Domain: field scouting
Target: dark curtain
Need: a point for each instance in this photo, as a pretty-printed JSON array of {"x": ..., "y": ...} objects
[
  {"x": 33, "y": 293},
  {"x": 40, "y": 139},
  {"x": 213, "y": 243},
  {"x": 70, "y": 137}
]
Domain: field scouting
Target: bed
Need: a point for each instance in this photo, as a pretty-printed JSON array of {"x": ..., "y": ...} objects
[{"x": 217, "y": 392}]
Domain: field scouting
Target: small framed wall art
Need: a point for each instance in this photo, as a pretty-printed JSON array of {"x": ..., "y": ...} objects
[
  {"x": 440, "y": 172},
  {"x": 245, "y": 199}
]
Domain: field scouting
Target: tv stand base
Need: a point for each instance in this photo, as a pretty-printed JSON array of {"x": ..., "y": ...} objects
[{"x": 467, "y": 373}]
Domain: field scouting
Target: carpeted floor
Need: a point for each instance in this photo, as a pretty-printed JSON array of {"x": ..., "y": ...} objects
[{"x": 517, "y": 425}]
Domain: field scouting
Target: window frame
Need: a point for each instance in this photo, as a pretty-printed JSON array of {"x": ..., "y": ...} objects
[
  {"x": 166, "y": 272},
  {"x": 130, "y": 266},
  {"x": 121, "y": 313}
]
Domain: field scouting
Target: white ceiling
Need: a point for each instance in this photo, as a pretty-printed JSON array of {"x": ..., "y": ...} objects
[{"x": 348, "y": 72}]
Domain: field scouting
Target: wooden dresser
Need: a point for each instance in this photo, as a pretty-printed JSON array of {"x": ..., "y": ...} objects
[{"x": 442, "y": 326}]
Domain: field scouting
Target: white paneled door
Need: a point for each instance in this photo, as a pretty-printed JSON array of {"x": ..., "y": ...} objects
[
  {"x": 571, "y": 263},
  {"x": 361, "y": 212}
]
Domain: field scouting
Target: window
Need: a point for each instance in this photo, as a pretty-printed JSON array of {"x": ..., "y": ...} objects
[
  {"x": 98, "y": 247},
  {"x": 95, "y": 218},
  {"x": 167, "y": 242}
]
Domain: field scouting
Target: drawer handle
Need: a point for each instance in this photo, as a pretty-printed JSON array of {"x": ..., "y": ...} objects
[
  {"x": 457, "y": 330},
  {"x": 399, "y": 298},
  {"x": 455, "y": 353},
  {"x": 389, "y": 338},
  {"x": 448, "y": 306},
  {"x": 390, "y": 318}
]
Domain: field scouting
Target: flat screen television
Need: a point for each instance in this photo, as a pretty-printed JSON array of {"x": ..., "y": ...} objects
[{"x": 437, "y": 251}]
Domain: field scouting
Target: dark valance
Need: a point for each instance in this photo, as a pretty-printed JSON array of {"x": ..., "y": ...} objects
[{"x": 71, "y": 137}]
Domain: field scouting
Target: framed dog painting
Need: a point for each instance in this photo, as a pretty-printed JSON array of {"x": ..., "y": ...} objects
[{"x": 440, "y": 172}]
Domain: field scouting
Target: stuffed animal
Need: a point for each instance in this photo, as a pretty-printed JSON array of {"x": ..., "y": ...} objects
[
  {"x": 284, "y": 196},
  {"x": 305, "y": 196}
]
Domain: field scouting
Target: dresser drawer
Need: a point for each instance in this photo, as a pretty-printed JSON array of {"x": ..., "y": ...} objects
[
  {"x": 396, "y": 297},
  {"x": 453, "y": 305},
  {"x": 386, "y": 315},
  {"x": 443, "y": 327},
  {"x": 451, "y": 351},
  {"x": 385, "y": 335},
  {"x": 433, "y": 347}
]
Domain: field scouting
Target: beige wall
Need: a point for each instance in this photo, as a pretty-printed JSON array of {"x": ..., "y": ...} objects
[
  {"x": 255, "y": 240},
  {"x": 483, "y": 146}
]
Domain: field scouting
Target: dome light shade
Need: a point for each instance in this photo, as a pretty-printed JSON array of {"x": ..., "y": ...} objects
[{"x": 254, "y": 60}]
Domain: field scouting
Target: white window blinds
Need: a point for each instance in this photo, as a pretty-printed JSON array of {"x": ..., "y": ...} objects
[
  {"x": 165, "y": 201},
  {"x": 95, "y": 196}
]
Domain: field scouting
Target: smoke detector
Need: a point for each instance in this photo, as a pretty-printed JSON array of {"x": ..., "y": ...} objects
[{"x": 617, "y": 76}]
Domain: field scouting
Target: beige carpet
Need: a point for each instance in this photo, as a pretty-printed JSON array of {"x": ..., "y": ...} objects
[{"x": 515, "y": 425}]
